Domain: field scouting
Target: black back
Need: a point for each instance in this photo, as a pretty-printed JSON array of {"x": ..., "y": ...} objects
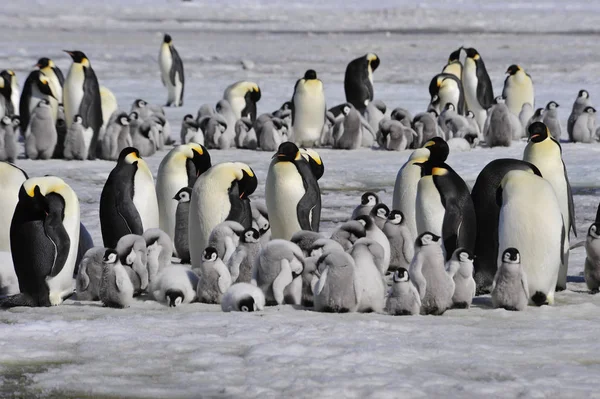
[
  {"x": 90, "y": 108},
  {"x": 177, "y": 67},
  {"x": 357, "y": 86}
]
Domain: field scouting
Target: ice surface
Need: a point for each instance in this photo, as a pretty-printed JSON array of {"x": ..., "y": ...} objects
[{"x": 83, "y": 350}]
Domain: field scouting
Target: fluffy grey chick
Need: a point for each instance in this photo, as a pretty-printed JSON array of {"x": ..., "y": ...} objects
[
  {"x": 395, "y": 136},
  {"x": 187, "y": 123},
  {"x": 348, "y": 132},
  {"x": 550, "y": 119},
  {"x": 537, "y": 116},
  {"x": 243, "y": 297},
  {"x": 181, "y": 239},
  {"x": 374, "y": 113},
  {"x": 403, "y": 298},
  {"x": 347, "y": 234},
  {"x": 89, "y": 275},
  {"x": 310, "y": 274},
  {"x": 117, "y": 136},
  {"x": 241, "y": 262},
  {"x": 581, "y": 102},
  {"x": 509, "y": 289},
  {"x": 242, "y": 129},
  {"x": 271, "y": 134},
  {"x": 143, "y": 137},
  {"x": 460, "y": 268},
  {"x": 174, "y": 286},
  {"x": 215, "y": 278},
  {"x": 591, "y": 270},
  {"x": 225, "y": 238},
  {"x": 132, "y": 252},
  {"x": 75, "y": 142},
  {"x": 116, "y": 290},
  {"x": 525, "y": 114},
  {"x": 501, "y": 126},
  {"x": 305, "y": 239},
  {"x": 368, "y": 255},
  {"x": 584, "y": 129},
  {"x": 367, "y": 201},
  {"x": 401, "y": 241},
  {"x": 426, "y": 127},
  {"x": 379, "y": 214},
  {"x": 213, "y": 128},
  {"x": 41, "y": 136},
  {"x": 336, "y": 290},
  {"x": 159, "y": 249},
  {"x": 8, "y": 140}
]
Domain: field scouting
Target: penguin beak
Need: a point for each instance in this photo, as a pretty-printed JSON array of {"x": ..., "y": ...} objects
[{"x": 69, "y": 52}]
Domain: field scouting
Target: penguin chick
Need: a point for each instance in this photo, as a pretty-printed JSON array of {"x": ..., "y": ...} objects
[
  {"x": 277, "y": 272},
  {"x": 9, "y": 147},
  {"x": 591, "y": 270},
  {"x": 242, "y": 260},
  {"x": 214, "y": 277},
  {"x": 89, "y": 275},
  {"x": 270, "y": 136},
  {"x": 310, "y": 274},
  {"x": 242, "y": 127},
  {"x": 401, "y": 241},
  {"x": 348, "y": 233},
  {"x": 368, "y": 255},
  {"x": 367, "y": 201},
  {"x": 336, "y": 290},
  {"x": 502, "y": 126},
  {"x": 537, "y": 116},
  {"x": 116, "y": 290},
  {"x": 182, "y": 244},
  {"x": 143, "y": 137},
  {"x": 132, "y": 252},
  {"x": 189, "y": 128},
  {"x": 403, "y": 298},
  {"x": 429, "y": 275},
  {"x": 426, "y": 127},
  {"x": 174, "y": 286},
  {"x": 379, "y": 214},
  {"x": 159, "y": 249},
  {"x": 225, "y": 238},
  {"x": 116, "y": 137},
  {"x": 260, "y": 221},
  {"x": 460, "y": 268},
  {"x": 584, "y": 128},
  {"x": 581, "y": 103},
  {"x": 41, "y": 136},
  {"x": 525, "y": 115},
  {"x": 551, "y": 121},
  {"x": 395, "y": 136},
  {"x": 348, "y": 132},
  {"x": 374, "y": 233},
  {"x": 305, "y": 239},
  {"x": 510, "y": 290},
  {"x": 75, "y": 145},
  {"x": 243, "y": 297}
]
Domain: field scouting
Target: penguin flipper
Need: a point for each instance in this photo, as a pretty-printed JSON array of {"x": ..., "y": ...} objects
[
  {"x": 283, "y": 279},
  {"x": 308, "y": 209},
  {"x": 59, "y": 75},
  {"x": 485, "y": 91},
  {"x": 240, "y": 211},
  {"x": 57, "y": 234},
  {"x": 176, "y": 67},
  {"x": 321, "y": 282},
  {"x": 571, "y": 204}
]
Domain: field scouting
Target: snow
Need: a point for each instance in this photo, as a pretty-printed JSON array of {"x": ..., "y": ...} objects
[{"x": 83, "y": 350}]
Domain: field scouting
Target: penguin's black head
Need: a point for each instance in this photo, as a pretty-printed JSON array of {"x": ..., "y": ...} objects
[
  {"x": 43, "y": 63},
  {"x": 247, "y": 184},
  {"x": 6, "y": 121},
  {"x": 369, "y": 198},
  {"x": 514, "y": 68},
  {"x": 449, "y": 107},
  {"x": 594, "y": 231},
  {"x": 247, "y": 304},
  {"x": 396, "y": 217},
  {"x": 167, "y": 38},
  {"x": 366, "y": 221},
  {"x": 455, "y": 55},
  {"x": 314, "y": 161},
  {"x": 464, "y": 255},
  {"x": 538, "y": 132},
  {"x": 552, "y": 105},
  {"x": 43, "y": 102},
  {"x": 174, "y": 297},
  {"x": 470, "y": 115},
  {"x": 590, "y": 110},
  {"x": 438, "y": 149},
  {"x": 511, "y": 255},
  {"x": 250, "y": 235},
  {"x": 288, "y": 104},
  {"x": 123, "y": 119},
  {"x": 472, "y": 53},
  {"x": 499, "y": 100},
  {"x": 401, "y": 276},
  {"x": 538, "y": 112},
  {"x": 184, "y": 195},
  {"x": 77, "y": 119},
  {"x": 346, "y": 108},
  {"x": 433, "y": 112},
  {"x": 16, "y": 120},
  {"x": 311, "y": 74},
  {"x": 373, "y": 60},
  {"x": 287, "y": 152},
  {"x": 399, "y": 114},
  {"x": 110, "y": 256},
  {"x": 188, "y": 118},
  {"x": 380, "y": 210},
  {"x": 130, "y": 152},
  {"x": 133, "y": 116},
  {"x": 210, "y": 254},
  {"x": 427, "y": 238},
  {"x": 78, "y": 56},
  {"x": 583, "y": 94},
  {"x": 201, "y": 161},
  {"x": 139, "y": 103}
]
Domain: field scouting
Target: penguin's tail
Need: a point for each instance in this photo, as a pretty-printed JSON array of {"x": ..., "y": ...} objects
[
  {"x": 17, "y": 300},
  {"x": 539, "y": 298}
]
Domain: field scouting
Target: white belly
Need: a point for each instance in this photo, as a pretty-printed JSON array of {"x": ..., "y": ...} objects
[
  {"x": 165, "y": 61},
  {"x": 237, "y": 106},
  {"x": 309, "y": 117},
  {"x": 73, "y": 94},
  {"x": 470, "y": 92},
  {"x": 519, "y": 93},
  {"x": 429, "y": 209},
  {"x": 369, "y": 282},
  {"x": 144, "y": 198},
  {"x": 449, "y": 95},
  {"x": 171, "y": 178},
  {"x": 405, "y": 195},
  {"x": 283, "y": 191}
]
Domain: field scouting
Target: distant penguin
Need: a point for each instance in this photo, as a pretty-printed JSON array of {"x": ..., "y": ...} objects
[
  {"x": 9, "y": 136},
  {"x": 87, "y": 282},
  {"x": 40, "y": 137},
  {"x": 175, "y": 286},
  {"x": 336, "y": 290},
  {"x": 401, "y": 241},
  {"x": 128, "y": 201},
  {"x": 446, "y": 88},
  {"x": 242, "y": 260},
  {"x": 6, "y": 106},
  {"x": 215, "y": 278},
  {"x": 348, "y": 130},
  {"x": 37, "y": 87},
  {"x": 292, "y": 193},
  {"x": 526, "y": 114},
  {"x": 551, "y": 120},
  {"x": 487, "y": 212},
  {"x": 426, "y": 127},
  {"x": 367, "y": 255},
  {"x": 271, "y": 134},
  {"x": 54, "y": 75},
  {"x": 372, "y": 232},
  {"x": 44, "y": 233},
  {"x": 518, "y": 89},
  {"x": 189, "y": 128},
  {"x": 348, "y": 233},
  {"x": 428, "y": 272},
  {"x": 379, "y": 214},
  {"x": 501, "y": 127},
  {"x": 243, "y": 96},
  {"x": 221, "y": 193},
  {"x": 479, "y": 93},
  {"x": 537, "y": 230},
  {"x": 510, "y": 289},
  {"x": 454, "y": 66},
  {"x": 367, "y": 201},
  {"x": 358, "y": 81},
  {"x": 375, "y": 113},
  {"x": 159, "y": 249},
  {"x": 144, "y": 137},
  {"x": 277, "y": 272},
  {"x": 116, "y": 137},
  {"x": 403, "y": 299},
  {"x": 591, "y": 269},
  {"x": 82, "y": 96},
  {"x": 308, "y": 110},
  {"x": 11, "y": 179},
  {"x": 584, "y": 128},
  {"x": 225, "y": 238},
  {"x": 545, "y": 152},
  {"x": 181, "y": 238},
  {"x": 116, "y": 289},
  {"x": 179, "y": 168},
  {"x": 109, "y": 106},
  {"x": 581, "y": 103},
  {"x": 171, "y": 72},
  {"x": 75, "y": 145},
  {"x": 395, "y": 136},
  {"x": 243, "y": 297},
  {"x": 460, "y": 268}
]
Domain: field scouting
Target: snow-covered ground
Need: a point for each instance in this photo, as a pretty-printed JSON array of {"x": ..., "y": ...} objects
[{"x": 82, "y": 350}]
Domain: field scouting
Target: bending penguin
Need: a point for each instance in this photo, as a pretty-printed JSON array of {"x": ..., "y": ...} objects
[
  {"x": 11, "y": 179},
  {"x": 358, "y": 82},
  {"x": 308, "y": 110},
  {"x": 454, "y": 66},
  {"x": 446, "y": 88},
  {"x": 292, "y": 193},
  {"x": 479, "y": 93},
  {"x": 171, "y": 72}
]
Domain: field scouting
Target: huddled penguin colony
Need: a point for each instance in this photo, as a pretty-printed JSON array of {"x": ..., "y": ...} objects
[{"x": 194, "y": 234}]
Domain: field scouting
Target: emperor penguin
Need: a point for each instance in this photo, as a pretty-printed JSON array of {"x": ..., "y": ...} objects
[
  {"x": 581, "y": 102},
  {"x": 189, "y": 128},
  {"x": 487, "y": 212},
  {"x": 401, "y": 241},
  {"x": 89, "y": 275},
  {"x": 116, "y": 289},
  {"x": 179, "y": 168},
  {"x": 54, "y": 75},
  {"x": 215, "y": 278},
  {"x": 308, "y": 110},
  {"x": 181, "y": 238},
  {"x": 454, "y": 66},
  {"x": 551, "y": 120},
  {"x": 174, "y": 286},
  {"x": 372, "y": 232},
  {"x": 591, "y": 269},
  {"x": 9, "y": 145},
  {"x": 403, "y": 299},
  {"x": 428, "y": 272},
  {"x": 159, "y": 249},
  {"x": 225, "y": 238},
  {"x": 292, "y": 193},
  {"x": 367, "y": 201},
  {"x": 336, "y": 290},
  {"x": 510, "y": 289},
  {"x": 460, "y": 268},
  {"x": 44, "y": 234},
  {"x": 242, "y": 97},
  {"x": 369, "y": 279},
  {"x": 133, "y": 255},
  {"x": 538, "y": 230},
  {"x": 426, "y": 127},
  {"x": 82, "y": 96},
  {"x": 479, "y": 93},
  {"x": 171, "y": 72},
  {"x": 41, "y": 136},
  {"x": 37, "y": 87},
  {"x": 221, "y": 193},
  {"x": 128, "y": 203},
  {"x": 358, "y": 81},
  {"x": 75, "y": 145},
  {"x": 446, "y": 88},
  {"x": 379, "y": 214},
  {"x": 584, "y": 128},
  {"x": 6, "y": 106},
  {"x": 501, "y": 126},
  {"x": 545, "y": 152},
  {"x": 11, "y": 179},
  {"x": 242, "y": 260},
  {"x": 109, "y": 105},
  {"x": 243, "y": 297},
  {"x": 348, "y": 130},
  {"x": 116, "y": 136},
  {"x": 278, "y": 272},
  {"x": 518, "y": 89}
]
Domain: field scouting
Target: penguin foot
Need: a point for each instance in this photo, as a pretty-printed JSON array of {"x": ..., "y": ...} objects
[
  {"x": 17, "y": 300},
  {"x": 460, "y": 305},
  {"x": 594, "y": 291},
  {"x": 560, "y": 288},
  {"x": 402, "y": 312},
  {"x": 539, "y": 298}
]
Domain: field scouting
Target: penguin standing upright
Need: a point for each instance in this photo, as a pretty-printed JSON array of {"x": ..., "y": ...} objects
[
  {"x": 479, "y": 93},
  {"x": 171, "y": 72},
  {"x": 292, "y": 193},
  {"x": 6, "y": 105},
  {"x": 454, "y": 66},
  {"x": 308, "y": 110},
  {"x": 81, "y": 96},
  {"x": 358, "y": 82},
  {"x": 518, "y": 89},
  {"x": 36, "y": 88},
  {"x": 581, "y": 103},
  {"x": 446, "y": 88},
  {"x": 11, "y": 89},
  {"x": 545, "y": 152},
  {"x": 128, "y": 203}
]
